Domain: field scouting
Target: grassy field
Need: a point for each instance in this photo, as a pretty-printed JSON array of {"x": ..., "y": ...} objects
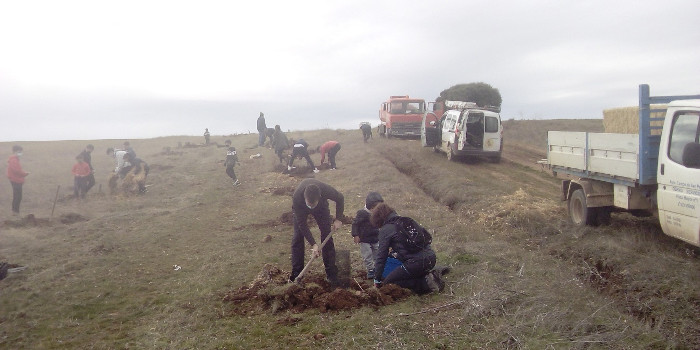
[{"x": 151, "y": 271}]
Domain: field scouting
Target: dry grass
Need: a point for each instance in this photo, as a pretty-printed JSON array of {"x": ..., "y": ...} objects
[{"x": 522, "y": 276}]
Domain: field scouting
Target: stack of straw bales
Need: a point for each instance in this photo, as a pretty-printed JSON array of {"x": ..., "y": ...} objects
[{"x": 625, "y": 120}]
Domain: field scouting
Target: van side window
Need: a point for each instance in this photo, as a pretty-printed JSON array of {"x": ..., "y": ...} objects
[
  {"x": 685, "y": 129},
  {"x": 491, "y": 124}
]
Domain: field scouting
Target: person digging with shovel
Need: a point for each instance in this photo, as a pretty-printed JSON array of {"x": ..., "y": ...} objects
[{"x": 311, "y": 197}]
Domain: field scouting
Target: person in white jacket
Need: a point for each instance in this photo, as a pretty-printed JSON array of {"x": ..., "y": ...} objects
[{"x": 122, "y": 163}]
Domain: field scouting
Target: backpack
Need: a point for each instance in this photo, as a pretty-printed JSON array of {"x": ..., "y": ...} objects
[{"x": 416, "y": 236}]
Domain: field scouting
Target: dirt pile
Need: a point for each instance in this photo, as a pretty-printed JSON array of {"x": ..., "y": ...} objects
[{"x": 271, "y": 291}]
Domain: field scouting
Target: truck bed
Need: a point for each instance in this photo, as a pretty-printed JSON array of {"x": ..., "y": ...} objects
[{"x": 605, "y": 156}]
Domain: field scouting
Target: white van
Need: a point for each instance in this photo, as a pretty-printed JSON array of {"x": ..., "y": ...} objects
[{"x": 464, "y": 130}]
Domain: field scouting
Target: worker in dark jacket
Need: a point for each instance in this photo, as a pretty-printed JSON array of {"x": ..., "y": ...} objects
[
  {"x": 311, "y": 197},
  {"x": 365, "y": 234},
  {"x": 301, "y": 150},
  {"x": 279, "y": 142},
  {"x": 366, "y": 131},
  {"x": 417, "y": 272},
  {"x": 262, "y": 128}
]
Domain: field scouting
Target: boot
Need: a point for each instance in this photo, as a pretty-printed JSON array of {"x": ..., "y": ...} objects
[{"x": 434, "y": 281}]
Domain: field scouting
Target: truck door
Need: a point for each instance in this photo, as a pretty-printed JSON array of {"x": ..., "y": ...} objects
[
  {"x": 430, "y": 130},
  {"x": 448, "y": 126},
  {"x": 462, "y": 137},
  {"x": 492, "y": 133},
  {"x": 678, "y": 176}
]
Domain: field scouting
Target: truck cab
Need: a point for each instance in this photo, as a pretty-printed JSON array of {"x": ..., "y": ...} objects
[
  {"x": 678, "y": 173},
  {"x": 465, "y": 129},
  {"x": 401, "y": 116}
]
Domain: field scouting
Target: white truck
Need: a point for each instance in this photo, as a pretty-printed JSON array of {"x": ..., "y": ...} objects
[{"x": 654, "y": 172}]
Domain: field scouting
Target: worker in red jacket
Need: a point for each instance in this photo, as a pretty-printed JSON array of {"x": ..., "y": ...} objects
[
  {"x": 16, "y": 176},
  {"x": 81, "y": 171},
  {"x": 332, "y": 148}
]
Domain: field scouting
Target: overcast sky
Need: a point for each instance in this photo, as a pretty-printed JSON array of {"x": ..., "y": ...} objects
[{"x": 139, "y": 69}]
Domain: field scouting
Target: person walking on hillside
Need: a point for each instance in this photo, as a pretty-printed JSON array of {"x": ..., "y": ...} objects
[
  {"x": 279, "y": 142},
  {"x": 366, "y": 235},
  {"x": 87, "y": 158},
  {"x": 417, "y": 272},
  {"x": 81, "y": 170},
  {"x": 300, "y": 150},
  {"x": 262, "y": 128},
  {"x": 311, "y": 198},
  {"x": 16, "y": 176},
  {"x": 366, "y": 131},
  {"x": 206, "y": 136},
  {"x": 231, "y": 160},
  {"x": 332, "y": 148}
]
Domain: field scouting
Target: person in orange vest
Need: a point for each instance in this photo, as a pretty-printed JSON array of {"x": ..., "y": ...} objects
[
  {"x": 81, "y": 171},
  {"x": 332, "y": 148},
  {"x": 16, "y": 176}
]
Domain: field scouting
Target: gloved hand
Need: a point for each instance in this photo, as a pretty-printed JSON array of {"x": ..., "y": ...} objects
[
  {"x": 314, "y": 250},
  {"x": 377, "y": 283},
  {"x": 356, "y": 239}
]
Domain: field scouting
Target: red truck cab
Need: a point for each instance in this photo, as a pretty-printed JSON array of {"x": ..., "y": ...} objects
[{"x": 401, "y": 116}]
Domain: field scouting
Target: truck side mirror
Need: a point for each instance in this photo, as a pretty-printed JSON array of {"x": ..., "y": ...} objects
[
  {"x": 432, "y": 123},
  {"x": 691, "y": 155}
]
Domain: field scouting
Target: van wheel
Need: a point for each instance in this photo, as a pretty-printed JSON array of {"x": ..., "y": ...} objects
[{"x": 579, "y": 213}]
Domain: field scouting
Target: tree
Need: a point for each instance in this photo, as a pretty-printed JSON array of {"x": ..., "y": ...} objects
[{"x": 481, "y": 93}]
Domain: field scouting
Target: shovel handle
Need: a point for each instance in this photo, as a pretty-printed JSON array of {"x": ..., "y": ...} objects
[{"x": 313, "y": 257}]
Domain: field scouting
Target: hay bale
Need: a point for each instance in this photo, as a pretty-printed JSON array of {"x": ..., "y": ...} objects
[{"x": 625, "y": 120}]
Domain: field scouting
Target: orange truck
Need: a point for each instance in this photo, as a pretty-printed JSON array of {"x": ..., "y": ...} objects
[{"x": 401, "y": 116}]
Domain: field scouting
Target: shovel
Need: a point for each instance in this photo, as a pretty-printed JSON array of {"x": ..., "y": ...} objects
[{"x": 313, "y": 257}]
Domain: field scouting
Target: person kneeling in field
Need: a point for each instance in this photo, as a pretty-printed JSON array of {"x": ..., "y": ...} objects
[
  {"x": 418, "y": 259},
  {"x": 135, "y": 179}
]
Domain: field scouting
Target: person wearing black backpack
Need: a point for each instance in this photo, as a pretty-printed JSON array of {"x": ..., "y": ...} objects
[{"x": 416, "y": 255}]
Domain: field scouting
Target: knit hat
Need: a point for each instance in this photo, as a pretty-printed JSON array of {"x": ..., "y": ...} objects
[{"x": 373, "y": 198}]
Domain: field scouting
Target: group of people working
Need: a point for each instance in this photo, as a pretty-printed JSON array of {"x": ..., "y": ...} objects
[
  {"x": 373, "y": 228},
  {"x": 300, "y": 148},
  {"x": 82, "y": 171}
]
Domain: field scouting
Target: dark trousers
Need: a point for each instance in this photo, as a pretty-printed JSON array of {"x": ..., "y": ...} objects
[
  {"x": 366, "y": 134},
  {"x": 80, "y": 186},
  {"x": 331, "y": 154},
  {"x": 323, "y": 218},
  {"x": 16, "y": 196},
  {"x": 280, "y": 153},
  {"x": 301, "y": 152},
  {"x": 411, "y": 274},
  {"x": 89, "y": 182},
  {"x": 230, "y": 172}
]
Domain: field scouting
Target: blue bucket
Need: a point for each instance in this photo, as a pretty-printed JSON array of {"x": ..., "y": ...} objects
[{"x": 390, "y": 265}]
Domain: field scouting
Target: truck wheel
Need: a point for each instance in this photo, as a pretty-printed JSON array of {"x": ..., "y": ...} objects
[
  {"x": 579, "y": 213},
  {"x": 388, "y": 133}
]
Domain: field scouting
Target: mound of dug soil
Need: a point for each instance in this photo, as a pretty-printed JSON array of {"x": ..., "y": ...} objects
[{"x": 271, "y": 291}]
